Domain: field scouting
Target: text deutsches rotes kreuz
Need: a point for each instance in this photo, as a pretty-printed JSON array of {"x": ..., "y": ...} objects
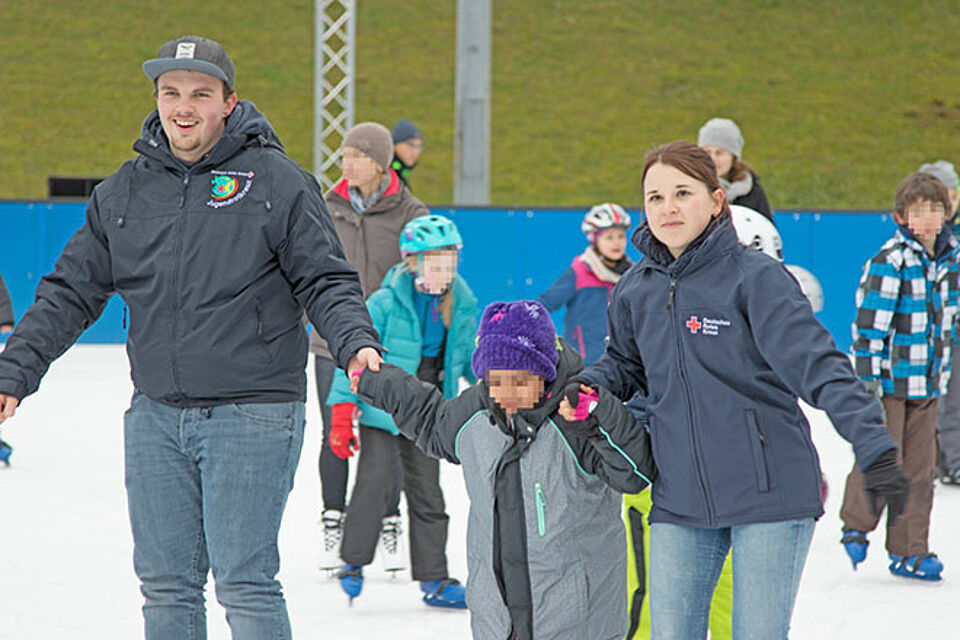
[{"x": 706, "y": 326}]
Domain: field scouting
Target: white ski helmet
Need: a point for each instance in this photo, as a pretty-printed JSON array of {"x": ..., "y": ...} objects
[
  {"x": 755, "y": 230},
  {"x": 604, "y": 216},
  {"x": 809, "y": 285}
]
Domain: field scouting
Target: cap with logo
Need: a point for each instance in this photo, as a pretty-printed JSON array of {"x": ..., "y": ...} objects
[{"x": 192, "y": 53}]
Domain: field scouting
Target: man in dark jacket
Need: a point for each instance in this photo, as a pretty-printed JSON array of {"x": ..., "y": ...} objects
[{"x": 217, "y": 242}]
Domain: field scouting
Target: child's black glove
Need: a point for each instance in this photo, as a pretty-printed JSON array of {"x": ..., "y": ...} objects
[{"x": 884, "y": 482}]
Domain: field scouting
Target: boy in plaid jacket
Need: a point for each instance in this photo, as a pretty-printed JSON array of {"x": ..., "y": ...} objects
[{"x": 904, "y": 329}]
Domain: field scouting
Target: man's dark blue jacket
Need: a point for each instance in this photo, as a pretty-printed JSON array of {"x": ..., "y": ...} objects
[
  {"x": 722, "y": 342},
  {"x": 216, "y": 261}
]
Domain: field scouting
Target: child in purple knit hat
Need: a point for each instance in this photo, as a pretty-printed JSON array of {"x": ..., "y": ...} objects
[{"x": 546, "y": 557}]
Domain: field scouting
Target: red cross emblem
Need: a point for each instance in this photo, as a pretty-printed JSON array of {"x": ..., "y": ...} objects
[{"x": 693, "y": 324}]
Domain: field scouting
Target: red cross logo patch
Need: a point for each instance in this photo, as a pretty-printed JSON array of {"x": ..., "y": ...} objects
[{"x": 693, "y": 324}]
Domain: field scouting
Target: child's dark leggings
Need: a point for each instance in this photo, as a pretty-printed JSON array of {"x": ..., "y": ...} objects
[{"x": 380, "y": 455}]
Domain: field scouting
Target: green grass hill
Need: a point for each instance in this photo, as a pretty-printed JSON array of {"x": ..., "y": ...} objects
[{"x": 837, "y": 100}]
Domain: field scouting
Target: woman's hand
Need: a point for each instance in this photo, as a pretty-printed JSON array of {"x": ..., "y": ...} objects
[{"x": 586, "y": 399}]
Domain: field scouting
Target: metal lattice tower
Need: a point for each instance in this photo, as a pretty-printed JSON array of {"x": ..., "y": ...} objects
[{"x": 333, "y": 84}]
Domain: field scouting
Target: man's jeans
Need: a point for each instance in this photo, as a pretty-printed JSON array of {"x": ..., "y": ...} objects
[
  {"x": 206, "y": 488},
  {"x": 685, "y": 563}
]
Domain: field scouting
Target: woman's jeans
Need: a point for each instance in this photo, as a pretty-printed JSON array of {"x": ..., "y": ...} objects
[
  {"x": 685, "y": 563},
  {"x": 206, "y": 488}
]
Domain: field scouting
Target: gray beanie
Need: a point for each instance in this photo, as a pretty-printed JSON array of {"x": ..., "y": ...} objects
[
  {"x": 722, "y": 132},
  {"x": 943, "y": 170},
  {"x": 373, "y": 139}
]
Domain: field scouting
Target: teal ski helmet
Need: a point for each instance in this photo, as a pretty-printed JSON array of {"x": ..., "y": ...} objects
[{"x": 429, "y": 233}]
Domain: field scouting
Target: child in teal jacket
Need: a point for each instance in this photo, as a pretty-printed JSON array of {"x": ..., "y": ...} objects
[{"x": 426, "y": 317}]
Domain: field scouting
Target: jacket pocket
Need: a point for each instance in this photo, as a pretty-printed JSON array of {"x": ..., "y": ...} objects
[
  {"x": 541, "y": 501},
  {"x": 758, "y": 444}
]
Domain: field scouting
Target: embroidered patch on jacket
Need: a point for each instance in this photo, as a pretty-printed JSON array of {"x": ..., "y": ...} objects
[
  {"x": 706, "y": 326},
  {"x": 225, "y": 187}
]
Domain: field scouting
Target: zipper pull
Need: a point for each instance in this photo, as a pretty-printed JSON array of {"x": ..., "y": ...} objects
[
  {"x": 673, "y": 286},
  {"x": 183, "y": 194},
  {"x": 541, "y": 502}
]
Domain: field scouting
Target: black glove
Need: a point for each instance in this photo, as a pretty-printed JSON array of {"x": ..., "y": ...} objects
[{"x": 884, "y": 481}]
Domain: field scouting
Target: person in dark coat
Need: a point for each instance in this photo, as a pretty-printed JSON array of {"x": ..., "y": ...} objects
[
  {"x": 6, "y": 308},
  {"x": 407, "y": 147},
  {"x": 721, "y": 342},
  {"x": 217, "y": 242},
  {"x": 721, "y": 138},
  {"x": 546, "y": 554}
]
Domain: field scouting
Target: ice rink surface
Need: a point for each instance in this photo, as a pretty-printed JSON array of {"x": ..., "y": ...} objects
[{"x": 66, "y": 568}]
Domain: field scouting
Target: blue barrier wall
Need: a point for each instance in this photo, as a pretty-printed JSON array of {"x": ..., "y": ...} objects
[{"x": 508, "y": 254}]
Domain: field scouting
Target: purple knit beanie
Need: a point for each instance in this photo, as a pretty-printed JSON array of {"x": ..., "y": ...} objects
[{"x": 518, "y": 336}]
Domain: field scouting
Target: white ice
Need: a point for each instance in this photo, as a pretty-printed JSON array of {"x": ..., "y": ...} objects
[{"x": 66, "y": 551}]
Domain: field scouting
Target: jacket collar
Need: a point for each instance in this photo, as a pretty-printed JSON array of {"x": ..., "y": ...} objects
[
  {"x": 717, "y": 239},
  {"x": 944, "y": 245},
  {"x": 342, "y": 190},
  {"x": 244, "y": 126}
]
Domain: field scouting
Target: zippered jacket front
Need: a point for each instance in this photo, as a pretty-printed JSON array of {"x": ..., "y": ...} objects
[
  {"x": 723, "y": 342},
  {"x": 216, "y": 261}
]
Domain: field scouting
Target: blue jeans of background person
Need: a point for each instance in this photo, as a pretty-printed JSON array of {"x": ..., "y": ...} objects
[
  {"x": 685, "y": 563},
  {"x": 206, "y": 488}
]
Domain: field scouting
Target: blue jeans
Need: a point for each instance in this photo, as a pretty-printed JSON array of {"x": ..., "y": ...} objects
[
  {"x": 685, "y": 563},
  {"x": 206, "y": 488}
]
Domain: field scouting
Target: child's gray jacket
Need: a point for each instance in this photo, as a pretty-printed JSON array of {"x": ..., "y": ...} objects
[{"x": 546, "y": 552}]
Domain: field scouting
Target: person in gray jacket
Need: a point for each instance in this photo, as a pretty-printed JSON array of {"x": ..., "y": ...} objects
[
  {"x": 546, "y": 556},
  {"x": 217, "y": 242}
]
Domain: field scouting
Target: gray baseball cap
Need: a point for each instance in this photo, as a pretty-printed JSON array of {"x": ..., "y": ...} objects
[{"x": 192, "y": 53}]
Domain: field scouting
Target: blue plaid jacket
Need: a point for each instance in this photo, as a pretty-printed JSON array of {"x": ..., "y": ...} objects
[{"x": 906, "y": 305}]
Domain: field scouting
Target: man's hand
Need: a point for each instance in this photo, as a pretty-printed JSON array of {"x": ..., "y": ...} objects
[
  {"x": 366, "y": 358},
  {"x": 8, "y": 406},
  {"x": 6, "y": 328}
]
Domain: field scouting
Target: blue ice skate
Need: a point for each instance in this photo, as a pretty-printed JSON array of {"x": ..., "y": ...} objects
[
  {"x": 927, "y": 567},
  {"x": 447, "y": 593},
  {"x": 5, "y": 451},
  {"x": 855, "y": 544},
  {"x": 351, "y": 580}
]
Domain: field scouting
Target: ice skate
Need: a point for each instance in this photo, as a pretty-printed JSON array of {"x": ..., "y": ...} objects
[
  {"x": 855, "y": 544},
  {"x": 447, "y": 593},
  {"x": 5, "y": 451},
  {"x": 927, "y": 567},
  {"x": 950, "y": 477},
  {"x": 391, "y": 545},
  {"x": 331, "y": 531},
  {"x": 351, "y": 580}
]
